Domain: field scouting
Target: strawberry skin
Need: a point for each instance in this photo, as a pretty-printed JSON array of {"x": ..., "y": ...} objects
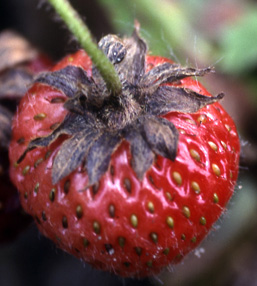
[{"x": 122, "y": 224}]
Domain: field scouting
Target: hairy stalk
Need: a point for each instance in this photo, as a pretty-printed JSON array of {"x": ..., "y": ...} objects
[{"x": 79, "y": 29}]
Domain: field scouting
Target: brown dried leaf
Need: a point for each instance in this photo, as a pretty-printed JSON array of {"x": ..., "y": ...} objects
[
  {"x": 99, "y": 155},
  {"x": 168, "y": 99},
  {"x": 142, "y": 155},
  {"x": 162, "y": 136},
  {"x": 72, "y": 153},
  {"x": 71, "y": 80}
]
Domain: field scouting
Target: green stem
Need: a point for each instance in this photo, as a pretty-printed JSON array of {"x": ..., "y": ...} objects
[{"x": 79, "y": 29}]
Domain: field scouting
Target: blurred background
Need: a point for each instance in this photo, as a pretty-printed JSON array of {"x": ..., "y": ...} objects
[{"x": 198, "y": 33}]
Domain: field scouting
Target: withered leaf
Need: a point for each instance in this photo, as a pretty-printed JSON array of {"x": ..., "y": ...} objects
[
  {"x": 5, "y": 129},
  {"x": 133, "y": 65},
  {"x": 162, "y": 136},
  {"x": 167, "y": 99},
  {"x": 72, "y": 153},
  {"x": 71, "y": 80},
  {"x": 14, "y": 83},
  {"x": 142, "y": 155},
  {"x": 72, "y": 123},
  {"x": 168, "y": 72},
  {"x": 99, "y": 155}
]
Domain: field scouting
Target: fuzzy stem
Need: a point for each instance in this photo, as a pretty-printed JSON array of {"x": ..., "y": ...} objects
[{"x": 79, "y": 29}]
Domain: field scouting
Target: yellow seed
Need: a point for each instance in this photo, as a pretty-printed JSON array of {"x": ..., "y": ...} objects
[
  {"x": 166, "y": 251},
  {"x": 228, "y": 127},
  {"x": 193, "y": 239},
  {"x": 154, "y": 237},
  {"x": 39, "y": 116},
  {"x": 134, "y": 220},
  {"x": 186, "y": 211},
  {"x": 150, "y": 207},
  {"x": 195, "y": 155},
  {"x": 216, "y": 169},
  {"x": 213, "y": 146},
  {"x": 190, "y": 121},
  {"x": 202, "y": 118},
  {"x": 195, "y": 186},
  {"x": 224, "y": 145},
  {"x": 170, "y": 221},
  {"x": 52, "y": 194},
  {"x": 168, "y": 196},
  {"x": 79, "y": 211},
  {"x": 203, "y": 220},
  {"x": 25, "y": 170},
  {"x": 177, "y": 177},
  {"x": 96, "y": 227},
  {"x": 215, "y": 198}
]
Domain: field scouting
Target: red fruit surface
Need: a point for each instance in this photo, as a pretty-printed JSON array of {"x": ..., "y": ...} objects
[
  {"x": 12, "y": 217},
  {"x": 124, "y": 225}
]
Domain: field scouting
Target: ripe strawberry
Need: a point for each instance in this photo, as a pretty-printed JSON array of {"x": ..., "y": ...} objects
[
  {"x": 128, "y": 182},
  {"x": 19, "y": 62}
]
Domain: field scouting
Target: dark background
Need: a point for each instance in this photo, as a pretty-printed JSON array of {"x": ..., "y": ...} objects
[{"x": 223, "y": 33}]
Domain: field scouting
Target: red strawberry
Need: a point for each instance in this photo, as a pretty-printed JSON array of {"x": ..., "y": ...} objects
[
  {"x": 19, "y": 62},
  {"x": 128, "y": 182}
]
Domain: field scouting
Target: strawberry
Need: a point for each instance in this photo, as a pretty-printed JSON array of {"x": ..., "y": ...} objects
[
  {"x": 127, "y": 182},
  {"x": 19, "y": 62}
]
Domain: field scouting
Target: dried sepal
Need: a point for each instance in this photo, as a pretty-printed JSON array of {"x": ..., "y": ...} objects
[
  {"x": 72, "y": 153},
  {"x": 142, "y": 155},
  {"x": 98, "y": 121},
  {"x": 99, "y": 155},
  {"x": 169, "y": 99},
  {"x": 161, "y": 135}
]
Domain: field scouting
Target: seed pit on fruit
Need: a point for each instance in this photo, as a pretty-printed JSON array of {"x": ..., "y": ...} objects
[
  {"x": 202, "y": 118},
  {"x": 112, "y": 170},
  {"x": 127, "y": 185},
  {"x": 154, "y": 237},
  {"x": 96, "y": 227},
  {"x": 38, "y": 162},
  {"x": 193, "y": 240},
  {"x": 44, "y": 216},
  {"x": 213, "y": 146},
  {"x": 150, "y": 207},
  {"x": 228, "y": 127},
  {"x": 134, "y": 220},
  {"x": 149, "y": 263},
  {"x": 168, "y": 196},
  {"x": 39, "y": 116},
  {"x": 126, "y": 264},
  {"x": 57, "y": 100},
  {"x": 21, "y": 140},
  {"x": 186, "y": 212},
  {"x": 121, "y": 241},
  {"x": 25, "y": 170},
  {"x": 79, "y": 211},
  {"x": 25, "y": 195},
  {"x": 224, "y": 145},
  {"x": 202, "y": 220},
  {"x": 112, "y": 210},
  {"x": 52, "y": 194},
  {"x": 196, "y": 188},
  {"x": 166, "y": 251},
  {"x": 195, "y": 155},
  {"x": 109, "y": 248},
  {"x": 95, "y": 188},
  {"x": 85, "y": 242},
  {"x": 138, "y": 250},
  {"x": 177, "y": 178},
  {"x": 64, "y": 222},
  {"x": 216, "y": 169},
  {"x": 48, "y": 154},
  {"x": 183, "y": 236},
  {"x": 170, "y": 221},
  {"x": 66, "y": 187},
  {"x": 54, "y": 126},
  {"x": 215, "y": 198}
]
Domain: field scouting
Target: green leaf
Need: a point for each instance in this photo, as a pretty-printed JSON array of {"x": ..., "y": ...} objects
[{"x": 239, "y": 45}]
